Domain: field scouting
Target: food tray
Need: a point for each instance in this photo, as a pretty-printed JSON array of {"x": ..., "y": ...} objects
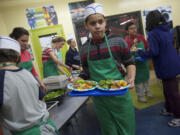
[
  {"x": 70, "y": 86},
  {"x": 141, "y": 59},
  {"x": 97, "y": 92}
]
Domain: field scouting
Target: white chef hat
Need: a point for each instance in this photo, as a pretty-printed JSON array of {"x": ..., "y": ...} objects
[
  {"x": 93, "y": 8},
  {"x": 9, "y": 43}
]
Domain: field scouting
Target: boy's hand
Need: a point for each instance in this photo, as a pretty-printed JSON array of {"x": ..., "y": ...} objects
[{"x": 131, "y": 82}]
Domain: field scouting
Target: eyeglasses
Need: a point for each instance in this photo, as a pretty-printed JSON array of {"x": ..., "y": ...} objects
[{"x": 93, "y": 23}]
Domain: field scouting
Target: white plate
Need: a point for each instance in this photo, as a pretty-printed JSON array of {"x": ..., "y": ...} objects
[
  {"x": 113, "y": 90},
  {"x": 70, "y": 86}
]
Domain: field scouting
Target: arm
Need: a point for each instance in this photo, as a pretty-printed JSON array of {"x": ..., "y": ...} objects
[
  {"x": 146, "y": 45},
  {"x": 43, "y": 87},
  {"x": 129, "y": 62},
  {"x": 153, "y": 47},
  {"x": 58, "y": 62},
  {"x": 85, "y": 73},
  {"x": 76, "y": 66},
  {"x": 131, "y": 72},
  {"x": 69, "y": 61},
  {"x": 41, "y": 95},
  {"x": 61, "y": 70}
]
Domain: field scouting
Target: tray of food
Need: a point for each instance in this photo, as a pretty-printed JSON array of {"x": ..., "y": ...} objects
[
  {"x": 82, "y": 85},
  {"x": 111, "y": 85},
  {"x": 108, "y": 87}
]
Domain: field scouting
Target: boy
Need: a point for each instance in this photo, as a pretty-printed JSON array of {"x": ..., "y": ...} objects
[
  {"x": 101, "y": 58},
  {"x": 135, "y": 40},
  {"x": 21, "y": 109}
]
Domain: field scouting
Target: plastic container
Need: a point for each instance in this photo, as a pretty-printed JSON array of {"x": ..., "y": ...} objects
[{"x": 56, "y": 82}]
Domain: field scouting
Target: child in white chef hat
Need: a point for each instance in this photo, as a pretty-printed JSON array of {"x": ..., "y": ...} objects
[
  {"x": 21, "y": 109},
  {"x": 102, "y": 57}
]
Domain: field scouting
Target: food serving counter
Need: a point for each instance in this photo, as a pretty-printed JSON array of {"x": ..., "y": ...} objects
[{"x": 64, "y": 112}]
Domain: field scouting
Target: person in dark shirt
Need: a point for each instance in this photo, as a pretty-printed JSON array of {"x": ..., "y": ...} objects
[
  {"x": 72, "y": 55},
  {"x": 166, "y": 63}
]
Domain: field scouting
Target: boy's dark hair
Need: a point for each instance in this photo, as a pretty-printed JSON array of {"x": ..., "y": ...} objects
[
  {"x": 153, "y": 19},
  {"x": 58, "y": 39},
  {"x": 128, "y": 25},
  {"x": 9, "y": 55},
  {"x": 69, "y": 41},
  {"x": 18, "y": 32}
]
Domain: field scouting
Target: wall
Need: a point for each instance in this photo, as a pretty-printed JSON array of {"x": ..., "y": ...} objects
[
  {"x": 12, "y": 12},
  {"x": 3, "y": 30},
  {"x": 12, "y": 15},
  {"x": 112, "y": 7}
]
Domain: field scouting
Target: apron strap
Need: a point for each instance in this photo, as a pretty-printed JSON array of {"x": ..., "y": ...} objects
[{"x": 107, "y": 43}]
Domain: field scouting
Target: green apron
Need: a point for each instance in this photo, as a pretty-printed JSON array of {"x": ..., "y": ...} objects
[
  {"x": 28, "y": 65},
  {"x": 115, "y": 113},
  {"x": 49, "y": 128},
  {"x": 50, "y": 68},
  {"x": 142, "y": 67}
]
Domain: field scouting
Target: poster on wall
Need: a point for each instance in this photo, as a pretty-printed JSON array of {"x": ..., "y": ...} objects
[
  {"x": 77, "y": 10},
  {"x": 115, "y": 25},
  {"x": 41, "y": 17},
  {"x": 166, "y": 11}
]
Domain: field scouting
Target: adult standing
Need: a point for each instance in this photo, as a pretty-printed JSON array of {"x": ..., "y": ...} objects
[
  {"x": 51, "y": 63},
  {"x": 166, "y": 62},
  {"x": 136, "y": 40},
  {"x": 72, "y": 55},
  {"x": 22, "y": 36},
  {"x": 102, "y": 57}
]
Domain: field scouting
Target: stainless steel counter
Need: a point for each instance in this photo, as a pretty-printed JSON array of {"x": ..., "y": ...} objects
[{"x": 62, "y": 113}]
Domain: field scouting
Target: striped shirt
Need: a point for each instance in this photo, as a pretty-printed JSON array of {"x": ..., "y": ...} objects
[
  {"x": 98, "y": 51},
  {"x": 45, "y": 54}
]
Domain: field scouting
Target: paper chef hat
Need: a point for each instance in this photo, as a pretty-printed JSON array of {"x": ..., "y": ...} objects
[
  {"x": 9, "y": 43},
  {"x": 93, "y": 8}
]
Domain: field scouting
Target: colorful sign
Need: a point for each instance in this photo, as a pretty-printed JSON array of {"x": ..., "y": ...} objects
[{"x": 41, "y": 17}]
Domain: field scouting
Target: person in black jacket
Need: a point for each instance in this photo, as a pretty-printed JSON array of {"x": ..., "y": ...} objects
[{"x": 72, "y": 55}]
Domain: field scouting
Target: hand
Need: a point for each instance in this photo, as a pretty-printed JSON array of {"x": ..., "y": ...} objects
[
  {"x": 43, "y": 87},
  {"x": 131, "y": 82},
  {"x": 69, "y": 69}
]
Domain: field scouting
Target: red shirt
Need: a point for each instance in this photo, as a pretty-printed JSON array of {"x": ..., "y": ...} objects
[
  {"x": 25, "y": 56},
  {"x": 130, "y": 40}
]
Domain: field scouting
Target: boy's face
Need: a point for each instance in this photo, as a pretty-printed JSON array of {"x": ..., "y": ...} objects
[
  {"x": 132, "y": 30},
  {"x": 96, "y": 24}
]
